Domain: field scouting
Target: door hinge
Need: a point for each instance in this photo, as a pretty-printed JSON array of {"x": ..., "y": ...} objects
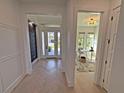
[
  {"x": 103, "y": 80},
  {"x": 109, "y": 41},
  {"x": 106, "y": 62},
  {"x": 112, "y": 18}
]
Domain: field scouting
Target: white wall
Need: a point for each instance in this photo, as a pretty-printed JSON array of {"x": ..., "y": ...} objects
[
  {"x": 43, "y": 9},
  {"x": 71, "y": 43},
  {"x": 93, "y": 5},
  {"x": 73, "y": 7},
  {"x": 11, "y": 50},
  {"x": 115, "y": 3}
]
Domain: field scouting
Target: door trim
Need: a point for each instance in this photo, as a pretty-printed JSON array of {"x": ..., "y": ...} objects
[{"x": 101, "y": 39}]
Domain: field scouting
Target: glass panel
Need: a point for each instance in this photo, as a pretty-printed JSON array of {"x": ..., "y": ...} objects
[
  {"x": 90, "y": 47},
  {"x": 90, "y": 41},
  {"x": 59, "y": 52},
  {"x": 43, "y": 44},
  {"x": 81, "y": 40},
  {"x": 51, "y": 45}
]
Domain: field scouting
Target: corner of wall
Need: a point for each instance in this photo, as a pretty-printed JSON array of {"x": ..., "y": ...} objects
[{"x": 69, "y": 82}]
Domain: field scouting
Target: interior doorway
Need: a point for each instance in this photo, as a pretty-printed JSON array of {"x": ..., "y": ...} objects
[
  {"x": 48, "y": 35},
  {"x": 88, "y": 24},
  {"x": 33, "y": 40},
  {"x": 51, "y": 44}
]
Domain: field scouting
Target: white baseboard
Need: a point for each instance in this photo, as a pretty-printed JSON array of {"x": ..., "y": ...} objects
[
  {"x": 69, "y": 82},
  {"x": 63, "y": 70},
  {"x": 14, "y": 84},
  {"x": 36, "y": 60}
]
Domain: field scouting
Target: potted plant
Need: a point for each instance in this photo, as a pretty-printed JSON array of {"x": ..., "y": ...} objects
[{"x": 49, "y": 48}]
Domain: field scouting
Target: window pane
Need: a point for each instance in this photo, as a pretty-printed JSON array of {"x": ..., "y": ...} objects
[
  {"x": 43, "y": 44},
  {"x": 81, "y": 40},
  {"x": 59, "y": 52},
  {"x": 51, "y": 45}
]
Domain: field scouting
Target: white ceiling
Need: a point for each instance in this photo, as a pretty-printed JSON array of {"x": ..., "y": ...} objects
[
  {"x": 83, "y": 18},
  {"x": 45, "y": 1}
]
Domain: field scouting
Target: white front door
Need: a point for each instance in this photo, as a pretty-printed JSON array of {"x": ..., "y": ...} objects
[
  {"x": 0, "y": 85},
  {"x": 51, "y": 44},
  {"x": 111, "y": 44}
]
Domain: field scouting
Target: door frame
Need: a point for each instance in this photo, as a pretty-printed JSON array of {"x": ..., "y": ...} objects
[
  {"x": 27, "y": 58},
  {"x": 56, "y": 47},
  {"x": 100, "y": 44}
]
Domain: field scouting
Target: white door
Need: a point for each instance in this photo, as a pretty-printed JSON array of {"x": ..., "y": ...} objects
[
  {"x": 110, "y": 51},
  {"x": 51, "y": 44},
  {"x": 0, "y": 86}
]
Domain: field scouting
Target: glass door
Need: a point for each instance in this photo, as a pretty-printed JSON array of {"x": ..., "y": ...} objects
[
  {"x": 90, "y": 46},
  {"x": 51, "y": 44},
  {"x": 81, "y": 38}
]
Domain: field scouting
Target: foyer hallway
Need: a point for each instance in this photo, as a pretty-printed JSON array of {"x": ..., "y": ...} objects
[{"x": 48, "y": 78}]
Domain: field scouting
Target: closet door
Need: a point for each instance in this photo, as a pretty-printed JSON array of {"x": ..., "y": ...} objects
[
  {"x": 0, "y": 86},
  {"x": 111, "y": 45}
]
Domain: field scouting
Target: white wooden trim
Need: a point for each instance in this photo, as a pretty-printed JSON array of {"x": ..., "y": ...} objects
[
  {"x": 100, "y": 52},
  {"x": 27, "y": 47},
  {"x": 14, "y": 84},
  {"x": 35, "y": 61}
]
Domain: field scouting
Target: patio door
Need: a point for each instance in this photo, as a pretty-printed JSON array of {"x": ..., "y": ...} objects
[{"x": 51, "y": 41}]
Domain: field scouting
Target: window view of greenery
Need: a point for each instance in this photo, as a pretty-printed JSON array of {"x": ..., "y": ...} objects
[
  {"x": 51, "y": 45},
  {"x": 90, "y": 46},
  {"x": 81, "y": 40},
  {"x": 90, "y": 41},
  {"x": 86, "y": 42}
]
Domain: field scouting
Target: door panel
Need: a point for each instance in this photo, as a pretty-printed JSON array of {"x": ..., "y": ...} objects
[
  {"x": 0, "y": 86},
  {"x": 109, "y": 59}
]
